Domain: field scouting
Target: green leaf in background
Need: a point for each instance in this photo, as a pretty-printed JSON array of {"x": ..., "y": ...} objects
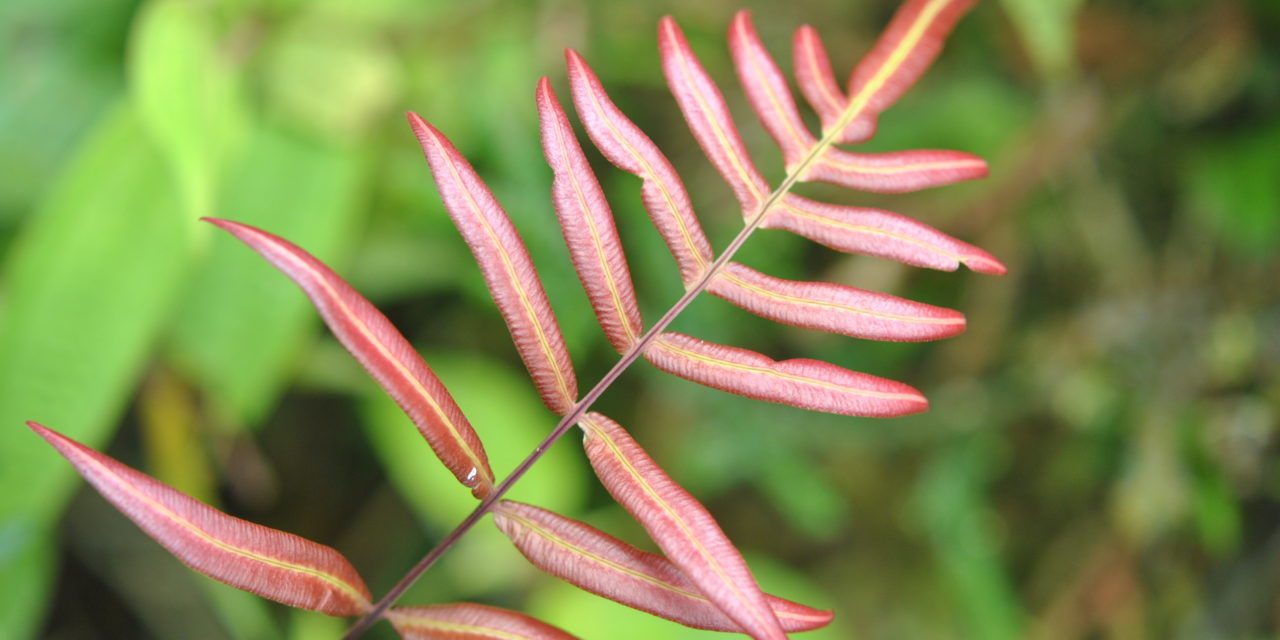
[
  {"x": 950, "y": 504},
  {"x": 184, "y": 91},
  {"x": 1233, "y": 189},
  {"x": 1048, "y": 30},
  {"x": 329, "y": 75},
  {"x": 242, "y": 324},
  {"x": 89, "y": 283}
]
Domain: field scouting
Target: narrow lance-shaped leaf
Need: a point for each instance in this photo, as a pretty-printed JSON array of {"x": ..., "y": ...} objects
[
  {"x": 878, "y": 233},
  {"x": 606, "y": 566},
  {"x": 627, "y": 147},
  {"x": 815, "y": 78},
  {"x": 899, "y": 57},
  {"x": 506, "y": 266},
  {"x": 808, "y": 384},
  {"x": 834, "y": 307},
  {"x": 264, "y": 561},
  {"x": 708, "y": 116},
  {"x": 894, "y": 171},
  {"x": 466, "y": 621},
  {"x": 383, "y": 352},
  {"x": 588, "y": 227},
  {"x": 767, "y": 91},
  {"x": 679, "y": 524}
]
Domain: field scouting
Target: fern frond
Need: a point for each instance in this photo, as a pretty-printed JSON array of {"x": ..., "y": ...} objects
[{"x": 701, "y": 580}]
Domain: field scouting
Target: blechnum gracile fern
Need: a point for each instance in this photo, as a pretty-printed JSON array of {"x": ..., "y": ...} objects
[{"x": 700, "y": 579}]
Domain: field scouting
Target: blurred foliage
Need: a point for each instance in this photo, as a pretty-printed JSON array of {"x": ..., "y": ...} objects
[{"x": 1100, "y": 460}]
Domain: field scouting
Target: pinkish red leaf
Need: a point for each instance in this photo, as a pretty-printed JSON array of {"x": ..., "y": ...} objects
[
  {"x": 383, "y": 352},
  {"x": 767, "y": 91},
  {"x": 708, "y": 116},
  {"x": 905, "y": 49},
  {"x": 679, "y": 524},
  {"x": 506, "y": 266},
  {"x": 834, "y": 307},
  {"x": 257, "y": 559},
  {"x": 808, "y": 384},
  {"x": 627, "y": 147},
  {"x": 813, "y": 75},
  {"x": 604, "y": 565},
  {"x": 878, "y": 233},
  {"x": 896, "y": 171},
  {"x": 466, "y": 621},
  {"x": 588, "y": 227}
]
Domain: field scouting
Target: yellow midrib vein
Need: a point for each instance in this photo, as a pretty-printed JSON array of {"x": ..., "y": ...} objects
[
  {"x": 706, "y": 555},
  {"x": 512, "y": 277},
  {"x": 168, "y": 513},
  {"x": 400, "y": 368}
]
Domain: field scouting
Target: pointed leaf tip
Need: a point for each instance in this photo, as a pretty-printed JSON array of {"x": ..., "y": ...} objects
[
  {"x": 803, "y": 383},
  {"x": 628, "y": 148},
  {"x": 507, "y": 268},
  {"x": 879, "y": 233},
  {"x": 383, "y": 352},
  {"x": 767, "y": 90},
  {"x": 679, "y": 524},
  {"x": 606, "y": 566},
  {"x": 708, "y": 116},
  {"x": 248, "y": 556},
  {"x": 837, "y": 308}
]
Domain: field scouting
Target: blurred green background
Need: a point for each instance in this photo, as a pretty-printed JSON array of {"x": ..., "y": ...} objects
[{"x": 1099, "y": 460}]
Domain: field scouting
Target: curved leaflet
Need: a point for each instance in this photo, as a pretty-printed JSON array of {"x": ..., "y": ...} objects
[
  {"x": 257, "y": 559},
  {"x": 384, "y": 352}
]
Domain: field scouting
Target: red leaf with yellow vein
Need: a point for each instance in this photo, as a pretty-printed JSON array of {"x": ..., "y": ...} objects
[
  {"x": 604, "y": 565},
  {"x": 679, "y": 524},
  {"x": 702, "y": 581},
  {"x": 467, "y": 621},
  {"x": 814, "y": 76},
  {"x": 506, "y": 266},
  {"x": 588, "y": 227},
  {"x": 708, "y": 116},
  {"x": 627, "y": 147},
  {"x": 384, "y": 352},
  {"x": 895, "y": 171},
  {"x": 257, "y": 559},
  {"x": 834, "y": 307},
  {"x": 899, "y": 57},
  {"x": 878, "y": 233},
  {"x": 804, "y": 383},
  {"x": 767, "y": 91}
]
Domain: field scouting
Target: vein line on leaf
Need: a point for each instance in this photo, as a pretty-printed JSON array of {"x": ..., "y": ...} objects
[
  {"x": 739, "y": 166},
  {"x": 833, "y": 305},
  {"x": 652, "y": 177},
  {"x": 679, "y": 521},
  {"x": 601, "y": 255},
  {"x": 122, "y": 483},
  {"x": 725, "y": 364},
  {"x": 512, "y": 277},
  {"x": 399, "y": 366}
]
